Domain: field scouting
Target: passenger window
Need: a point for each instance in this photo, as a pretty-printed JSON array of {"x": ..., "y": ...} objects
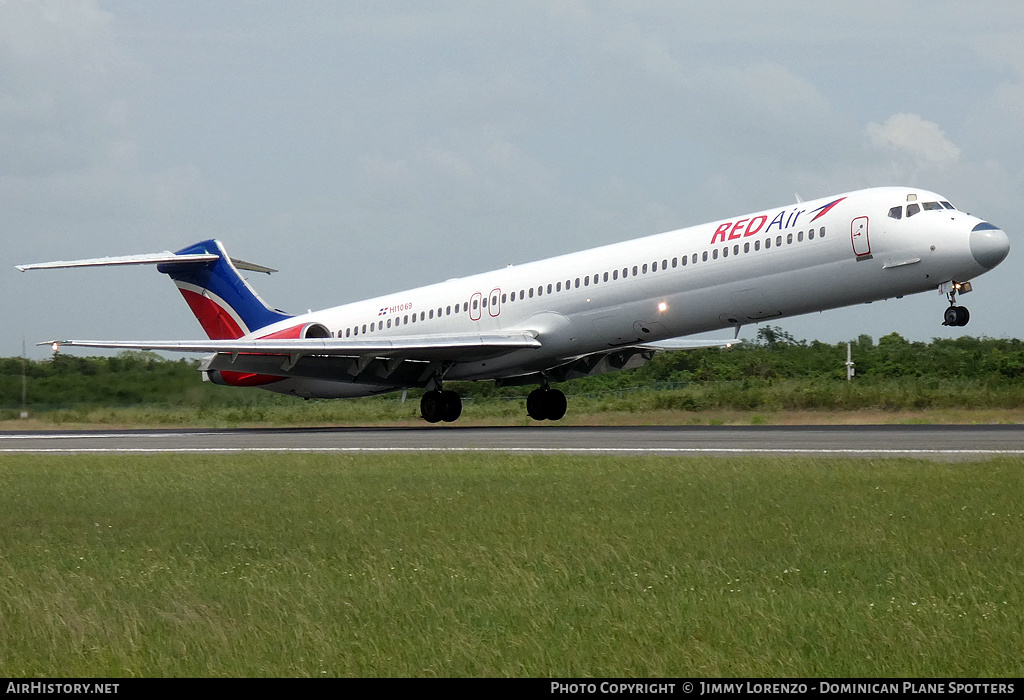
[
  {"x": 810, "y": 235},
  {"x": 714, "y": 254},
  {"x": 531, "y": 292},
  {"x": 664, "y": 264},
  {"x": 725, "y": 252},
  {"x": 540, "y": 291},
  {"x": 800, "y": 237},
  {"x": 615, "y": 274},
  {"x": 896, "y": 213},
  {"x": 684, "y": 260},
  {"x": 674, "y": 263},
  {"x": 704, "y": 256},
  {"x": 767, "y": 243},
  {"x": 778, "y": 241},
  {"x": 635, "y": 270},
  {"x": 558, "y": 287},
  {"x": 605, "y": 277},
  {"x": 549, "y": 289},
  {"x": 389, "y": 323},
  {"x": 448, "y": 310},
  {"x": 789, "y": 239},
  {"x": 364, "y": 328},
  {"x": 736, "y": 249},
  {"x": 654, "y": 266},
  {"x": 821, "y": 232},
  {"x": 502, "y": 298},
  {"x": 913, "y": 209},
  {"x": 746, "y": 247},
  {"x": 694, "y": 260},
  {"x": 757, "y": 246},
  {"x": 348, "y": 332}
]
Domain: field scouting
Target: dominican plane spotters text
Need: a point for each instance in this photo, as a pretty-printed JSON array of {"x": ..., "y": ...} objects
[{"x": 595, "y": 311}]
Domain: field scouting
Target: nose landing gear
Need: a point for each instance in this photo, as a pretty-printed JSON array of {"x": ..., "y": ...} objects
[{"x": 955, "y": 315}]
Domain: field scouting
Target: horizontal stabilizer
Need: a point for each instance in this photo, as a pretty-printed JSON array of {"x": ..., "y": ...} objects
[{"x": 144, "y": 259}]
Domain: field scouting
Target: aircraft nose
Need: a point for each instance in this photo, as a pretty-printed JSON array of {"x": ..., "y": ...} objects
[{"x": 989, "y": 245}]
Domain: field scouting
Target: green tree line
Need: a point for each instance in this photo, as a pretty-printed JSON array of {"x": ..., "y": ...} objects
[{"x": 773, "y": 358}]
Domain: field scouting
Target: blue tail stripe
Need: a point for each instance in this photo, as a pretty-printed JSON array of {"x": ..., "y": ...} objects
[{"x": 222, "y": 279}]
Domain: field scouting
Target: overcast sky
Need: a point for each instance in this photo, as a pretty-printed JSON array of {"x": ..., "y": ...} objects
[{"x": 363, "y": 148}]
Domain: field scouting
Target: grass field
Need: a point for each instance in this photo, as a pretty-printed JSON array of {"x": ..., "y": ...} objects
[{"x": 400, "y": 565}]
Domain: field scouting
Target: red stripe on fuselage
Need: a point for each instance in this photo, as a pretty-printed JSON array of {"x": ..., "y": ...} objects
[
  {"x": 216, "y": 321},
  {"x": 286, "y": 334}
]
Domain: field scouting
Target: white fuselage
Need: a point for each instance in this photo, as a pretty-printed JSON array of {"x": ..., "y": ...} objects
[{"x": 780, "y": 262}]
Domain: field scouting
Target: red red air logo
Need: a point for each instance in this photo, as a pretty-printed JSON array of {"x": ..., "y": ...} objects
[{"x": 731, "y": 230}]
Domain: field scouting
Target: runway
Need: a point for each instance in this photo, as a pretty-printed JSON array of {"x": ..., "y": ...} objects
[{"x": 930, "y": 441}]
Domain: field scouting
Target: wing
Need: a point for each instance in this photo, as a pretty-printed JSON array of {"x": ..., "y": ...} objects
[
  {"x": 414, "y": 347},
  {"x": 394, "y": 361}
]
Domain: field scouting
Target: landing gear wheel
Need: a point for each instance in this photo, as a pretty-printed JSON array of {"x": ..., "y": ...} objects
[
  {"x": 535, "y": 405},
  {"x": 956, "y": 316},
  {"x": 437, "y": 406},
  {"x": 452, "y": 406},
  {"x": 556, "y": 404},
  {"x": 546, "y": 404},
  {"x": 432, "y": 406}
]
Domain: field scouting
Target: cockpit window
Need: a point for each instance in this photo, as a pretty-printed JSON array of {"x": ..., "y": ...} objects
[
  {"x": 913, "y": 209},
  {"x": 948, "y": 206},
  {"x": 896, "y": 213},
  {"x": 932, "y": 206}
]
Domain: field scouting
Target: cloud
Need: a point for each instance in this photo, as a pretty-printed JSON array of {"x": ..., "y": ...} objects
[{"x": 918, "y": 139}]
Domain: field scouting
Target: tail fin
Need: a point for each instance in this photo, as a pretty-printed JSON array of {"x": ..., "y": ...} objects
[{"x": 223, "y": 302}]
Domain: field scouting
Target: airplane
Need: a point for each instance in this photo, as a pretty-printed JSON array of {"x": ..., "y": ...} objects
[{"x": 599, "y": 310}]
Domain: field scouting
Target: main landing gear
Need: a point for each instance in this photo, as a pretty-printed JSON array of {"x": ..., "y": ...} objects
[
  {"x": 956, "y": 315},
  {"x": 437, "y": 405},
  {"x": 546, "y": 404}
]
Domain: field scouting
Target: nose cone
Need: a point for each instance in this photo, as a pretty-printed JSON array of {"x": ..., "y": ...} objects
[{"x": 989, "y": 245}]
